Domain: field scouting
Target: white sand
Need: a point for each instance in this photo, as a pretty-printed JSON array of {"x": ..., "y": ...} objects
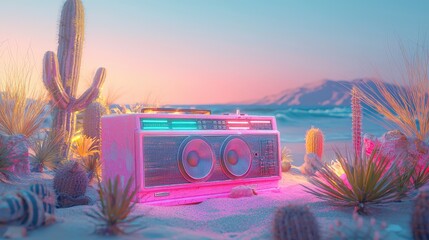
[{"x": 222, "y": 218}]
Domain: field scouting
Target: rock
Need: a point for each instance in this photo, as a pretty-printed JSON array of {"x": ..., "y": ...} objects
[
  {"x": 312, "y": 164},
  {"x": 15, "y": 232},
  {"x": 242, "y": 191}
]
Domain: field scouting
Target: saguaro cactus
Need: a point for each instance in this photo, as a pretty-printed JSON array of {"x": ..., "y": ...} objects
[
  {"x": 61, "y": 74},
  {"x": 356, "y": 121}
]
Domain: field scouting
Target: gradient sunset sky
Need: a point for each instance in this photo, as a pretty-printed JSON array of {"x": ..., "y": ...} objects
[{"x": 220, "y": 51}]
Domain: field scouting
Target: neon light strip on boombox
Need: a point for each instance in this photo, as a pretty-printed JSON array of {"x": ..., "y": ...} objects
[{"x": 186, "y": 158}]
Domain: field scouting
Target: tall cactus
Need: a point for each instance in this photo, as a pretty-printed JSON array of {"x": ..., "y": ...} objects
[
  {"x": 356, "y": 121},
  {"x": 314, "y": 142},
  {"x": 61, "y": 74}
]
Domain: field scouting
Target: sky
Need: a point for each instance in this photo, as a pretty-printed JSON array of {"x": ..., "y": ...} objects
[{"x": 219, "y": 51}]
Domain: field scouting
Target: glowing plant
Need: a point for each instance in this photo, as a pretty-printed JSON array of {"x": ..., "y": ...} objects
[
  {"x": 406, "y": 107},
  {"x": 61, "y": 74},
  {"x": 356, "y": 120},
  {"x": 84, "y": 146},
  {"x": 46, "y": 151},
  {"x": 5, "y": 163},
  {"x": 112, "y": 214},
  {"x": 368, "y": 180}
]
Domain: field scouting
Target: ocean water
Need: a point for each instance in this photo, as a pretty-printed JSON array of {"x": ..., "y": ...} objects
[{"x": 293, "y": 122}]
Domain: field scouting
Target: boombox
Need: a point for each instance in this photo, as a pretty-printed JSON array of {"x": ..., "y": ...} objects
[{"x": 187, "y": 158}]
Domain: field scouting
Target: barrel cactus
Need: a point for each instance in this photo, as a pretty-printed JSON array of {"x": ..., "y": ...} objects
[
  {"x": 314, "y": 142},
  {"x": 61, "y": 74},
  {"x": 295, "y": 222},
  {"x": 70, "y": 183},
  {"x": 420, "y": 218}
]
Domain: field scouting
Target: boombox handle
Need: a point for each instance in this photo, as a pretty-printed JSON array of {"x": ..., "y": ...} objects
[{"x": 176, "y": 111}]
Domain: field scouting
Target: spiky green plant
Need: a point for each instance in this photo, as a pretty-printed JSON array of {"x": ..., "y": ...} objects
[
  {"x": 286, "y": 159},
  {"x": 92, "y": 165},
  {"x": 46, "y": 151},
  {"x": 420, "y": 176},
  {"x": 112, "y": 215},
  {"x": 5, "y": 163},
  {"x": 370, "y": 180}
]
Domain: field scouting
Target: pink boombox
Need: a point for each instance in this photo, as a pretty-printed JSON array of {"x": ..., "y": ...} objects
[{"x": 187, "y": 158}]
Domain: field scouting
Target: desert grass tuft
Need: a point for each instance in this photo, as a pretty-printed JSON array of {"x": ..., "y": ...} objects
[
  {"x": 22, "y": 105},
  {"x": 420, "y": 176},
  {"x": 113, "y": 212},
  {"x": 5, "y": 164},
  {"x": 407, "y": 107},
  {"x": 369, "y": 180},
  {"x": 46, "y": 151}
]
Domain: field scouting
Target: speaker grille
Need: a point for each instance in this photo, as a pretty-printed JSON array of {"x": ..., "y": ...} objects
[{"x": 162, "y": 156}]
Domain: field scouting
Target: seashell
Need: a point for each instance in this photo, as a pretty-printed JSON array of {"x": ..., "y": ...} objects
[
  {"x": 46, "y": 195},
  {"x": 11, "y": 208},
  {"x": 34, "y": 213}
]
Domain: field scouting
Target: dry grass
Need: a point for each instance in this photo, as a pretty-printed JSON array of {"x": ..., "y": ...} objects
[
  {"x": 22, "y": 104},
  {"x": 47, "y": 150},
  {"x": 407, "y": 108},
  {"x": 370, "y": 180},
  {"x": 112, "y": 214}
]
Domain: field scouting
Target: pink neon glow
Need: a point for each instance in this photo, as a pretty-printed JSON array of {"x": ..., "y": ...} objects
[
  {"x": 238, "y": 122},
  {"x": 255, "y": 121},
  {"x": 238, "y": 128}
]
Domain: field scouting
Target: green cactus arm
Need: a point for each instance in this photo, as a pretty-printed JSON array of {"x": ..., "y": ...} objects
[
  {"x": 92, "y": 93},
  {"x": 52, "y": 80}
]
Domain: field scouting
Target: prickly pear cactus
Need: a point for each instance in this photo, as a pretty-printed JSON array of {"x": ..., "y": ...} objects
[
  {"x": 420, "y": 218},
  {"x": 295, "y": 222},
  {"x": 70, "y": 183},
  {"x": 314, "y": 142}
]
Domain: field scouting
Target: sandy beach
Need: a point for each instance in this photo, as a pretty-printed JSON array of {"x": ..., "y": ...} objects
[{"x": 226, "y": 218}]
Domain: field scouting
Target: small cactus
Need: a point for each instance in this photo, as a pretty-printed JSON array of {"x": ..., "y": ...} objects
[
  {"x": 295, "y": 222},
  {"x": 420, "y": 218},
  {"x": 356, "y": 120},
  {"x": 70, "y": 183},
  {"x": 314, "y": 142},
  {"x": 92, "y": 119}
]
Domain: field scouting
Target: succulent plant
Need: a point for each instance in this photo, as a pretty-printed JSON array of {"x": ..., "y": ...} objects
[
  {"x": 420, "y": 218},
  {"x": 46, "y": 151},
  {"x": 356, "y": 120},
  {"x": 314, "y": 142},
  {"x": 115, "y": 207},
  {"x": 286, "y": 159},
  {"x": 70, "y": 183},
  {"x": 61, "y": 74},
  {"x": 295, "y": 222}
]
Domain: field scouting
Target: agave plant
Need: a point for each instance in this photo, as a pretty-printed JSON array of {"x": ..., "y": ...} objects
[
  {"x": 5, "y": 163},
  {"x": 420, "y": 176},
  {"x": 92, "y": 165},
  {"x": 366, "y": 180},
  {"x": 113, "y": 213},
  {"x": 46, "y": 150}
]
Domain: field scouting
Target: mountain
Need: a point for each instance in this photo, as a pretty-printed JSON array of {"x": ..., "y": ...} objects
[{"x": 324, "y": 93}]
